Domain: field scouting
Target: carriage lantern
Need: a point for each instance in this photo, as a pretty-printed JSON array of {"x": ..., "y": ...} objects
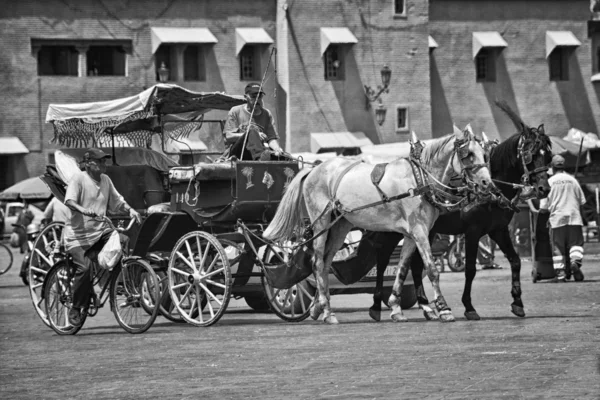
[{"x": 163, "y": 73}]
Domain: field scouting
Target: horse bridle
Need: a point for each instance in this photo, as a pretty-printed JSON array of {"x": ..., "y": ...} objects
[
  {"x": 526, "y": 157},
  {"x": 461, "y": 150}
]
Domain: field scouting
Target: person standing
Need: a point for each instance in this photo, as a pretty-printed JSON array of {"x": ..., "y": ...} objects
[
  {"x": 563, "y": 204},
  {"x": 253, "y": 124}
]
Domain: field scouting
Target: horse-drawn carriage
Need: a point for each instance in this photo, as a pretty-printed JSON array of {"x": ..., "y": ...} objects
[{"x": 202, "y": 223}]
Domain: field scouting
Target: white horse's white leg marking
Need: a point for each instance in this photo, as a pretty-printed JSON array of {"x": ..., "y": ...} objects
[{"x": 408, "y": 248}]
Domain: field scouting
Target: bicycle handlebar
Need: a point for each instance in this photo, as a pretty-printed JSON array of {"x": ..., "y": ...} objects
[{"x": 118, "y": 229}]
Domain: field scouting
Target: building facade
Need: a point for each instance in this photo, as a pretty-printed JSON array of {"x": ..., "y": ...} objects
[{"x": 449, "y": 61}]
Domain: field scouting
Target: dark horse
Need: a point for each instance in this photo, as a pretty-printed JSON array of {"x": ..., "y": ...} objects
[{"x": 521, "y": 159}]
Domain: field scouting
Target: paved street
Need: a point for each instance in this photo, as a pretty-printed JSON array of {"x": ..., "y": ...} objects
[{"x": 553, "y": 353}]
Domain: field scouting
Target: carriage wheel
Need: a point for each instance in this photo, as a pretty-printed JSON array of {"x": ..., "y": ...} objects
[
  {"x": 293, "y": 304},
  {"x": 58, "y": 299},
  {"x": 456, "y": 256},
  {"x": 199, "y": 278},
  {"x": 135, "y": 284},
  {"x": 42, "y": 258}
]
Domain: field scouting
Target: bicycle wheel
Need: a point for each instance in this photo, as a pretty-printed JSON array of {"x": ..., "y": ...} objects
[
  {"x": 456, "y": 256},
  {"x": 130, "y": 281},
  {"x": 58, "y": 299},
  {"x": 6, "y": 259},
  {"x": 43, "y": 257}
]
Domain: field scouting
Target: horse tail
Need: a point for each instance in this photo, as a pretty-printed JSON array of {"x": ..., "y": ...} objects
[
  {"x": 503, "y": 105},
  {"x": 288, "y": 217}
]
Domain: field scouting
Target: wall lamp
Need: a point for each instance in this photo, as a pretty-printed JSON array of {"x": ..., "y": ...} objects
[
  {"x": 373, "y": 95},
  {"x": 163, "y": 73}
]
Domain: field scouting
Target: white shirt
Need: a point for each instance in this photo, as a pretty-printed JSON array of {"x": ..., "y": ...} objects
[{"x": 564, "y": 200}]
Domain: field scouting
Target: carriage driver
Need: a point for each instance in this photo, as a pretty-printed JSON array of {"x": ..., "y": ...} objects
[
  {"x": 261, "y": 130},
  {"x": 89, "y": 194}
]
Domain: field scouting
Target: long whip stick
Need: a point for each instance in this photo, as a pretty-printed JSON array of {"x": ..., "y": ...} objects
[{"x": 578, "y": 156}]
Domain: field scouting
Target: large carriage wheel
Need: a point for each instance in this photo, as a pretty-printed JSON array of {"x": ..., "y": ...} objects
[
  {"x": 199, "y": 278},
  {"x": 293, "y": 304},
  {"x": 135, "y": 284},
  {"x": 42, "y": 258},
  {"x": 58, "y": 299}
]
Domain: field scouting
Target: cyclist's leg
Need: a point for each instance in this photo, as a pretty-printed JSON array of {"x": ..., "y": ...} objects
[{"x": 82, "y": 282}]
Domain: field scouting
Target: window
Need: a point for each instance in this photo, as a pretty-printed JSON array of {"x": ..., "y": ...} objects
[
  {"x": 333, "y": 65},
  {"x": 402, "y": 119},
  {"x": 193, "y": 64},
  {"x": 105, "y": 61},
  {"x": 485, "y": 66},
  {"x": 57, "y": 60},
  {"x": 400, "y": 7},
  {"x": 597, "y": 61},
  {"x": 558, "y": 63},
  {"x": 250, "y": 63},
  {"x": 165, "y": 55}
]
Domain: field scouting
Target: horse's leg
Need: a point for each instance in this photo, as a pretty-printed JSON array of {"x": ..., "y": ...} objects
[
  {"x": 388, "y": 244},
  {"x": 416, "y": 267},
  {"x": 408, "y": 248},
  {"x": 321, "y": 278},
  {"x": 335, "y": 240},
  {"x": 502, "y": 239},
  {"x": 422, "y": 242},
  {"x": 471, "y": 249}
]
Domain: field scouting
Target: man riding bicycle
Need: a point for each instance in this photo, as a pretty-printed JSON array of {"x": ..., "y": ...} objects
[{"x": 89, "y": 194}]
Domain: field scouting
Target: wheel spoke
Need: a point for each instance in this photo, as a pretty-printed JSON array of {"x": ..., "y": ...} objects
[
  {"x": 298, "y": 294},
  {"x": 208, "y": 292},
  {"x": 212, "y": 264},
  {"x": 214, "y": 273},
  {"x": 187, "y": 292},
  {"x": 43, "y": 257},
  {"x": 191, "y": 255},
  {"x": 199, "y": 303},
  {"x": 216, "y": 284},
  {"x": 303, "y": 289},
  {"x": 185, "y": 260},
  {"x": 180, "y": 272},
  {"x": 180, "y": 285}
]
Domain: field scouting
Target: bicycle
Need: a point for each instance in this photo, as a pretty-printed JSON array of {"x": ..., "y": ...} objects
[
  {"x": 132, "y": 286},
  {"x": 456, "y": 253},
  {"x": 6, "y": 258}
]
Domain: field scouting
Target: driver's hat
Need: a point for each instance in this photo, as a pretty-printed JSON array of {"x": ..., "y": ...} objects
[
  {"x": 253, "y": 88},
  {"x": 94, "y": 154}
]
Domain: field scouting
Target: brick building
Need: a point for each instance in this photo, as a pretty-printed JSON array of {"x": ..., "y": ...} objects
[{"x": 449, "y": 60}]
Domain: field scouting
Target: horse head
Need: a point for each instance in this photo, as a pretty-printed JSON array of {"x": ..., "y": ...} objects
[
  {"x": 471, "y": 161},
  {"x": 534, "y": 152}
]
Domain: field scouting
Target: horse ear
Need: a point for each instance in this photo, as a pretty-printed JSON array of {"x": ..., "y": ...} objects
[
  {"x": 484, "y": 137},
  {"x": 541, "y": 129},
  {"x": 413, "y": 137},
  {"x": 468, "y": 132},
  {"x": 456, "y": 130}
]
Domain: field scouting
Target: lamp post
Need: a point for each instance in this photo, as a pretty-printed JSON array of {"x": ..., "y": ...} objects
[
  {"x": 372, "y": 94},
  {"x": 163, "y": 73}
]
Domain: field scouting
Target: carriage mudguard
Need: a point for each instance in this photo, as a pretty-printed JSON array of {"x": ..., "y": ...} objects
[{"x": 160, "y": 231}]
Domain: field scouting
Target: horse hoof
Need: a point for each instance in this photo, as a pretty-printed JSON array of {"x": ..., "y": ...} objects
[
  {"x": 331, "y": 320},
  {"x": 315, "y": 312},
  {"x": 446, "y": 316},
  {"x": 399, "y": 317},
  {"x": 430, "y": 315},
  {"x": 472, "y": 315},
  {"x": 517, "y": 310},
  {"x": 375, "y": 315}
]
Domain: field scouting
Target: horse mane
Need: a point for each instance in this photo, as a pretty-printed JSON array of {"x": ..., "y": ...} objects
[
  {"x": 504, "y": 155},
  {"x": 432, "y": 149}
]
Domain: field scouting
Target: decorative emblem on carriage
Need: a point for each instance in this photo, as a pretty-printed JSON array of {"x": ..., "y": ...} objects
[
  {"x": 268, "y": 180},
  {"x": 289, "y": 175},
  {"x": 248, "y": 172}
]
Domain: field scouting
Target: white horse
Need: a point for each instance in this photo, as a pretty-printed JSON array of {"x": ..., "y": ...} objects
[{"x": 333, "y": 188}]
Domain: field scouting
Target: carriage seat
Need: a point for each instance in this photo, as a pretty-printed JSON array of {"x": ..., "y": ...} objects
[{"x": 205, "y": 172}]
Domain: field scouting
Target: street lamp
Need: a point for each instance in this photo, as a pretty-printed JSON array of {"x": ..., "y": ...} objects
[
  {"x": 163, "y": 73},
  {"x": 372, "y": 94}
]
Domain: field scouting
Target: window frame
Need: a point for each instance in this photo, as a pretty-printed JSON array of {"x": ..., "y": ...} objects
[
  {"x": 256, "y": 61},
  {"x": 72, "y": 60},
  {"x": 401, "y": 15},
  {"x": 340, "y": 52},
  {"x": 406, "y": 127},
  {"x": 559, "y": 58},
  {"x": 490, "y": 56},
  {"x": 116, "y": 48}
]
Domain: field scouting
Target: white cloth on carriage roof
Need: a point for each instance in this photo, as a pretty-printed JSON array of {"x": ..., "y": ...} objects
[
  {"x": 239, "y": 115},
  {"x": 80, "y": 230},
  {"x": 564, "y": 200}
]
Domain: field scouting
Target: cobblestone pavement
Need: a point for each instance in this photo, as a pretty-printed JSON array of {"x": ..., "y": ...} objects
[{"x": 552, "y": 353}]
